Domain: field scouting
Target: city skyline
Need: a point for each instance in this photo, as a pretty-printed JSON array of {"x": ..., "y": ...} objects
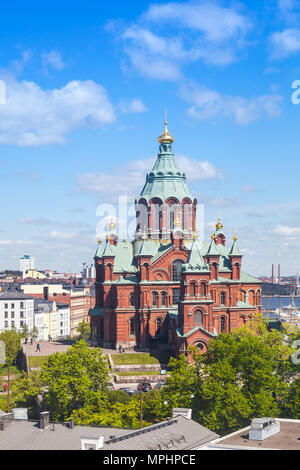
[{"x": 86, "y": 93}]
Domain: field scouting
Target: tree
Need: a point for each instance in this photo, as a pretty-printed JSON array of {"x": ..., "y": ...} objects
[
  {"x": 73, "y": 378},
  {"x": 25, "y": 332},
  {"x": 12, "y": 340},
  {"x": 28, "y": 389},
  {"x": 84, "y": 330},
  {"x": 34, "y": 333}
]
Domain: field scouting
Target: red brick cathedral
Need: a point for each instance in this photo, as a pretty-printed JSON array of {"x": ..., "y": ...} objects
[{"x": 166, "y": 289}]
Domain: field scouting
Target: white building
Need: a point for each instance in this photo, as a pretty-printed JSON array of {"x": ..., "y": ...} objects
[
  {"x": 51, "y": 319},
  {"x": 16, "y": 310},
  {"x": 26, "y": 262}
]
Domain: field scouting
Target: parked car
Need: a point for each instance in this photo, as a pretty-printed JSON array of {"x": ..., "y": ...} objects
[
  {"x": 128, "y": 390},
  {"x": 146, "y": 387},
  {"x": 110, "y": 386}
]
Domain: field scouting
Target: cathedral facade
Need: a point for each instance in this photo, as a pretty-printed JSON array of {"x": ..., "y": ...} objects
[{"x": 167, "y": 290}]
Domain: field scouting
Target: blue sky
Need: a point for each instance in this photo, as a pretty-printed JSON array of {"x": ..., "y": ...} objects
[{"x": 86, "y": 89}]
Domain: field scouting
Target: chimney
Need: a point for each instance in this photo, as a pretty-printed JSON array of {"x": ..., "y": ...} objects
[
  {"x": 44, "y": 419},
  {"x": 20, "y": 414},
  {"x": 185, "y": 412},
  {"x": 273, "y": 277},
  {"x": 262, "y": 428},
  {"x": 92, "y": 443}
]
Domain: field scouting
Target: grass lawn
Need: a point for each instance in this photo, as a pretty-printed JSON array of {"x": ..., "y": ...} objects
[
  {"x": 127, "y": 374},
  {"x": 141, "y": 358},
  {"x": 12, "y": 371},
  {"x": 37, "y": 361}
]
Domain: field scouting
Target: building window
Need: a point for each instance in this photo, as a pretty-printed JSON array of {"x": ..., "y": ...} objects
[
  {"x": 223, "y": 298},
  {"x": 5, "y": 305},
  {"x": 5, "y": 314},
  {"x": 223, "y": 324},
  {"x": 12, "y": 324},
  {"x": 198, "y": 317},
  {"x": 192, "y": 289},
  {"x": 22, "y": 314},
  {"x": 131, "y": 326},
  {"x": 203, "y": 289},
  {"x": 176, "y": 296},
  {"x": 154, "y": 298},
  {"x": 21, "y": 304},
  {"x": 6, "y": 324},
  {"x": 12, "y": 314},
  {"x": 158, "y": 326},
  {"x": 21, "y": 323},
  {"x": 163, "y": 299},
  {"x": 176, "y": 270},
  {"x": 12, "y": 306},
  {"x": 131, "y": 299}
]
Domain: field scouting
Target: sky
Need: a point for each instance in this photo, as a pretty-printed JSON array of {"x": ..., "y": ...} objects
[{"x": 86, "y": 88}]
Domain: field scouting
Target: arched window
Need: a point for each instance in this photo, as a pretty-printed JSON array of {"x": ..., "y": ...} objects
[
  {"x": 192, "y": 289},
  {"x": 223, "y": 298},
  {"x": 214, "y": 270},
  {"x": 154, "y": 298},
  {"x": 176, "y": 270},
  {"x": 172, "y": 214},
  {"x": 203, "y": 289},
  {"x": 131, "y": 326},
  {"x": 131, "y": 298},
  {"x": 198, "y": 317},
  {"x": 200, "y": 346},
  {"x": 223, "y": 324},
  {"x": 164, "y": 299},
  {"x": 158, "y": 326}
]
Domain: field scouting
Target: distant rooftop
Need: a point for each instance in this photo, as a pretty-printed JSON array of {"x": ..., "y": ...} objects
[
  {"x": 14, "y": 296},
  {"x": 288, "y": 438}
]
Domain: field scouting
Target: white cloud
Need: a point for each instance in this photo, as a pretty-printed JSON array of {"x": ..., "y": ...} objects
[
  {"x": 53, "y": 59},
  {"x": 134, "y": 106},
  {"x": 62, "y": 235},
  {"x": 207, "y": 104},
  {"x": 33, "y": 116},
  {"x": 287, "y": 231},
  {"x": 285, "y": 43},
  {"x": 130, "y": 179},
  {"x": 172, "y": 35}
]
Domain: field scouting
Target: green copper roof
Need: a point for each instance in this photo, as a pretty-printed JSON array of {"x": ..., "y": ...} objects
[
  {"x": 234, "y": 250},
  {"x": 166, "y": 180},
  {"x": 99, "y": 251},
  {"x": 195, "y": 260},
  {"x": 109, "y": 250},
  {"x": 124, "y": 260},
  {"x": 147, "y": 248},
  {"x": 212, "y": 250}
]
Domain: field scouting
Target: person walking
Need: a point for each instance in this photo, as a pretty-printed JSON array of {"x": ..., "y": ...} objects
[
  {"x": 5, "y": 387},
  {"x": 38, "y": 348}
]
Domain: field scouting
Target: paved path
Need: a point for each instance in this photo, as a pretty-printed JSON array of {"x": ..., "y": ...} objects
[{"x": 48, "y": 348}]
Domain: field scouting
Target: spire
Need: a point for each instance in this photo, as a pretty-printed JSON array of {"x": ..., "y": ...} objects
[
  {"x": 234, "y": 249},
  {"x": 212, "y": 250},
  {"x": 166, "y": 137},
  {"x": 99, "y": 251},
  {"x": 195, "y": 260}
]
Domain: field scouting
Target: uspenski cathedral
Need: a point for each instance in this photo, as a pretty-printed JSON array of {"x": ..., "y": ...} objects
[{"x": 167, "y": 290}]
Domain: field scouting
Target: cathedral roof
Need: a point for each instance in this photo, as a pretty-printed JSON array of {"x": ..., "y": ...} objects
[
  {"x": 234, "y": 250},
  {"x": 195, "y": 260},
  {"x": 166, "y": 179}
]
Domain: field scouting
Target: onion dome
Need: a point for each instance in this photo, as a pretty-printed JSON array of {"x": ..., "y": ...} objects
[
  {"x": 166, "y": 137},
  {"x": 219, "y": 226}
]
